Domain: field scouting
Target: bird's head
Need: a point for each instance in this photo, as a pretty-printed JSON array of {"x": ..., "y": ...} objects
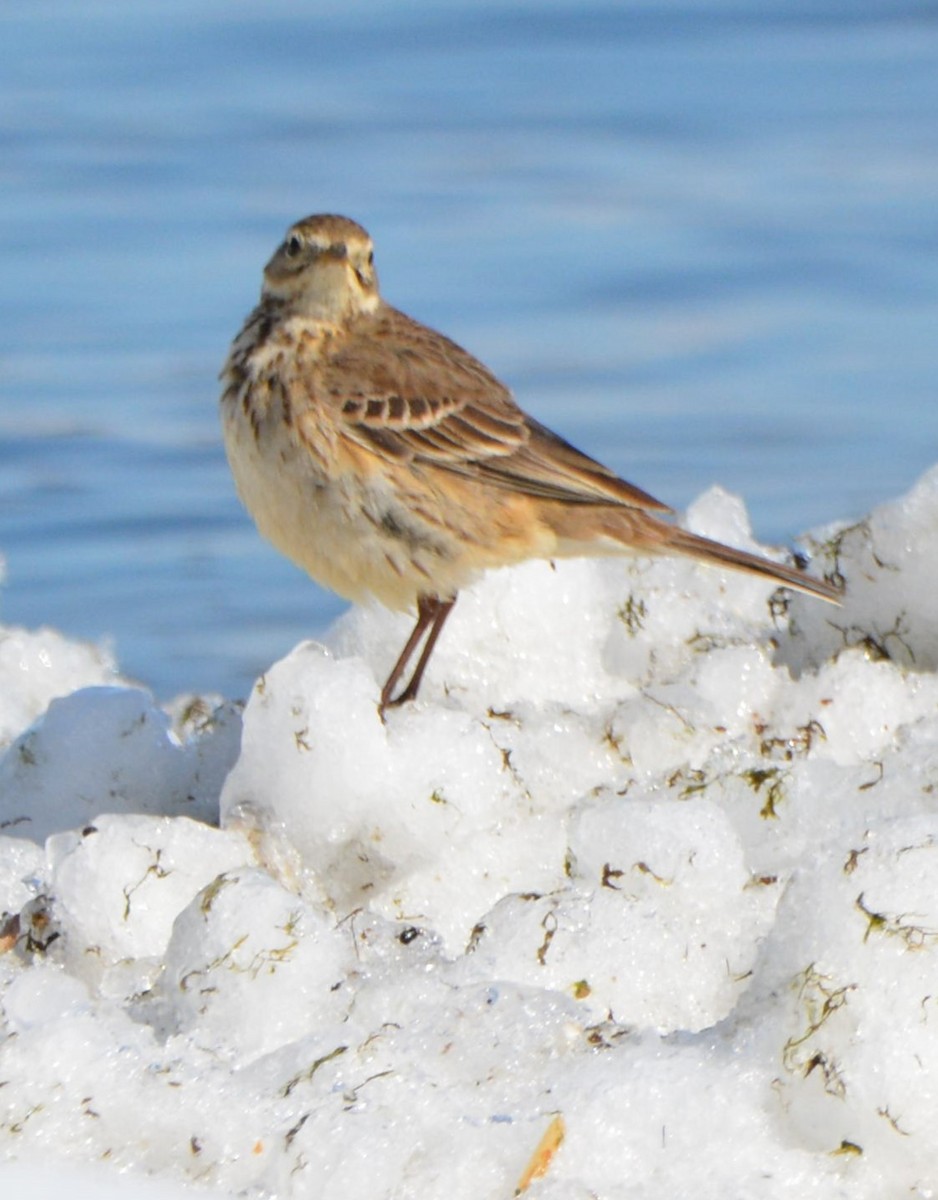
[{"x": 324, "y": 268}]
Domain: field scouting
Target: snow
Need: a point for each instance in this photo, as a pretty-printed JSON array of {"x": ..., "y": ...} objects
[{"x": 651, "y": 868}]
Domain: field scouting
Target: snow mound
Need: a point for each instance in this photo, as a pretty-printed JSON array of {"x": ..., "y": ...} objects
[{"x": 650, "y": 869}]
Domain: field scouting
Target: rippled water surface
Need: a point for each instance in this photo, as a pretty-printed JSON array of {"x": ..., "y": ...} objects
[{"x": 700, "y": 240}]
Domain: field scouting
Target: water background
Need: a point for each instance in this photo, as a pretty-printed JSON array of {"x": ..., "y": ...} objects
[{"x": 698, "y": 239}]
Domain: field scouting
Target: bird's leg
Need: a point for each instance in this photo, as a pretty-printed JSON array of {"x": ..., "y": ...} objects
[
  {"x": 441, "y": 610},
  {"x": 426, "y": 611},
  {"x": 431, "y": 612}
]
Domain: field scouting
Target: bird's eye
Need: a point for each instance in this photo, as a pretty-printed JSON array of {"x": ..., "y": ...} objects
[
  {"x": 292, "y": 246},
  {"x": 371, "y": 258}
]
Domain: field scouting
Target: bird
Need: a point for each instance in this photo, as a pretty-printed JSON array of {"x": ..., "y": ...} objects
[{"x": 390, "y": 464}]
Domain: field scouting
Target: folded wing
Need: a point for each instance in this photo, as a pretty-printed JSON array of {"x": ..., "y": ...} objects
[{"x": 418, "y": 397}]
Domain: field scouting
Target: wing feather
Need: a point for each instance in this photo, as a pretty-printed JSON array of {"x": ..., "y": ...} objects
[{"x": 420, "y": 397}]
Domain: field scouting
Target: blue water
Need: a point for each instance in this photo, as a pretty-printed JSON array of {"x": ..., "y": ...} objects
[{"x": 699, "y": 239}]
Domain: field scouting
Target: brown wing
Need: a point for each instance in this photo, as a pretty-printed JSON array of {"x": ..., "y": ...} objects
[{"x": 418, "y": 397}]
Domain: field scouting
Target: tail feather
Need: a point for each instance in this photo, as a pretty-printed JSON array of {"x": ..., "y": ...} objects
[{"x": 692, "y": 544}]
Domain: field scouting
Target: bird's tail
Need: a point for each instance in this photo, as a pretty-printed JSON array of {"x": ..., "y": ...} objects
[
  {"x": 681, "y": 541},
  {"x": 582, "y": 529}
]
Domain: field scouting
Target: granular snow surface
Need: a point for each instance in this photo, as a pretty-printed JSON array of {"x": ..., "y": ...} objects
[{"x": 651, "y": 868}]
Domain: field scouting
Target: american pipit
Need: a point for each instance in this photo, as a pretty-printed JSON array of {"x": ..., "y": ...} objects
[{"x": 388, "y": 462}]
